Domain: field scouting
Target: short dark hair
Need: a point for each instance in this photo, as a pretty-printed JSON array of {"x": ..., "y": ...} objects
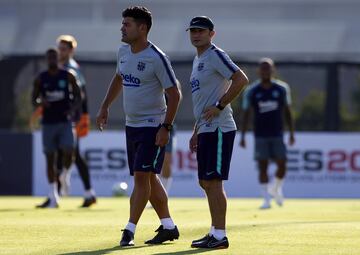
[
  {"x": 51, "y": 51},
  {"x": 140, "y": 14}
]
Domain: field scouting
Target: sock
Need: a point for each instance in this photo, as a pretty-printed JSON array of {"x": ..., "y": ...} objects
[
  {"x": 89, "y": 193},
  {"x": 212, "y": 231},
  {"x": 53, "y": 192},
  {"x": 264, "y": 192},
  {"x": 219, "y": 233},
  {"x": 167, "y": 223},
  {"x": 278, "y": 183},
  {"x": 131, "y": 227},
  {"x": 167, "y": 183}
]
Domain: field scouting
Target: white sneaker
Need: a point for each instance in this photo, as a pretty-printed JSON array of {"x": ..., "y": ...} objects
[
  {"x": 266, "y": 205},
  {"x": 277, "y": 195},
  {"x": 65, "y": 184}
]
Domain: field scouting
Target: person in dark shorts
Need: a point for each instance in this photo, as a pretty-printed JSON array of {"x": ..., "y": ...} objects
[
  {"x": 215, "y": 82},
  {"x": 144, "y": 74},
  {"x": 270, "y": 100},
  {"x": 57, "y": 92}
]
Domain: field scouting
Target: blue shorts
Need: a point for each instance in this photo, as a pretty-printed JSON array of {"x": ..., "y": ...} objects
[
  {"x": 214, "y": 153},
  {"x": 143, "y": 155},
  {"x": 269, "y": 148},
  {"x": 57, "y": 136}
]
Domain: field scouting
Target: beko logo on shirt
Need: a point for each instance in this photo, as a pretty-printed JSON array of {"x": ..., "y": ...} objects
[
  {"x": 267, "y": 106},
  {"x": 130, "y": 80},
  {"x": 56, "y": 95}
]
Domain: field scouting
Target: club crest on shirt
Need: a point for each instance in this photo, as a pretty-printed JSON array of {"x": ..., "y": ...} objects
[
  {"x": 141, "y": 66},
  {"x": 62, "y": 84},
  {"x": 275, "y": 94},
  {"x": 200, "y": 67}
]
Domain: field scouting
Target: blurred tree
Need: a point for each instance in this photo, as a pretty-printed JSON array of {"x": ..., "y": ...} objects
[{"x": 311, "y": 114}]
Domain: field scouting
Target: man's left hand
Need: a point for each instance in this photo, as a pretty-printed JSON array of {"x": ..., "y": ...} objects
[
  {"x": 210, "y": 113},
  {"x": 162, "y": 137}
]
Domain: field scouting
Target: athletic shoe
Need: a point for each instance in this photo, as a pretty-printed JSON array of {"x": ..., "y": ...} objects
[
  {"x": 213, "y": 243},
  {"x": 266, "y": 205},
  {"x": 164, "y": 235},
  {"x": 127, "y": 238},
  {"x": 277, "y": 195},
  {"x": 88, "y": 202},
  {"x": 64, "y": 183},
  {"x": 49, "y": 203},
  {"x": 200, "y": 241}
]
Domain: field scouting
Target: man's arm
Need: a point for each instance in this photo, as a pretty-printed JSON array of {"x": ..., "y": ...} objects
[
  {"x": 239, "y": 82},
  {"x": 36, "y": 93},
  {"x": 244, "y": 127},
  {"x": 76, "y": 92},
  {"x": 114, "y": 90},
  {"x": 173, "y": 96},
  {"x": 290, "y": 122}
]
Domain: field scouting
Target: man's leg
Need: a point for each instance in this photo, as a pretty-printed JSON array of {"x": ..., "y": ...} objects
[
  {"x": 276, "y": 188},
  {"x": 264, "y": 183},
  {"x": 140, "y": 195},
  {"x": 85, "y": 176},
  {"x": 166, "y": 178},
  {"x": 53, "y": 197}
]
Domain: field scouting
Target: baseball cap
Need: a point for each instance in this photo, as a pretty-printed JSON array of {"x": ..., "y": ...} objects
[{"x": 203, "y": 22}]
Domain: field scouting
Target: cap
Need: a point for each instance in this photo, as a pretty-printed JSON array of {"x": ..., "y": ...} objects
[
  {"x": 268, "y": 61},
  {"x": 203, "y": 22}
]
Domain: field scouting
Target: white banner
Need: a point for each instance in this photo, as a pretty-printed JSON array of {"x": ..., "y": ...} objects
[{"x": 319, "y": 165}]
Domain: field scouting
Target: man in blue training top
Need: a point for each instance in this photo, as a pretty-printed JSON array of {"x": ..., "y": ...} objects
[{"x": 270, "y": 100}]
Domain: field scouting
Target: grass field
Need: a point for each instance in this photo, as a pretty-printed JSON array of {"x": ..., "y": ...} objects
[{"x": 302, "y": 227}]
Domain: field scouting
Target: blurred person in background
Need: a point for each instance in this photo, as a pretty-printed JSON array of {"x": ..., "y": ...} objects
[
  {"x": 57, "y": 92},
  {"x": 215, "y": 82},
  {"x": 144, "y": 74},
  {"x": 66, "y": 45},
  {"x": 270, "y": 101}
]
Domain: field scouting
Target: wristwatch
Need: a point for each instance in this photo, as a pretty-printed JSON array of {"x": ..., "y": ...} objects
[
  {"x": 219, "y": 106},
  {"x": 168, "y": 127}
]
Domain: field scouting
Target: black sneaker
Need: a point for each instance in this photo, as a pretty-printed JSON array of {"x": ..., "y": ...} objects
[
  {"x": 213, "y": 243},
  {"x": 89, "y": 202},
  {"x": 200, "y": 242},
  {"x": 48, "y": 204},
  {"x": 127, "y": 238},
  {"x": 164, "y": 235}
]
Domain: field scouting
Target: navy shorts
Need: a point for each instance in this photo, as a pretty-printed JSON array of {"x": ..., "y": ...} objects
[
  {"x": 143, "y": 155},
  {"x": 214, "y": 153},
  {"x": 269, "y": 148},
  {"x": 57, "y": 136}
]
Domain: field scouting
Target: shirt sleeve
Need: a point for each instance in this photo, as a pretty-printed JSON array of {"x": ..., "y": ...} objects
[
  {"x": 164, "y": 72},
  {"x": 223, "y": 64},
  {"x": 287, "y": 93}
]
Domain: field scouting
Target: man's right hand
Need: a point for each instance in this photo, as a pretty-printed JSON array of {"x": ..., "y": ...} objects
[
  {"x": 193, "y": 142},
  {"x": 101, "y": 118},
  {"x": 242, "y": 143}
]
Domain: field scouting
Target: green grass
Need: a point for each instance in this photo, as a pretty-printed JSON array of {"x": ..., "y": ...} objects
[{"x": 301, "y": 227}]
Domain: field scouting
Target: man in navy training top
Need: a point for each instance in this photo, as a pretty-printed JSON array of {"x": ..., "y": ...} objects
[
  {"x": 57, "y": 92},
  {"x": 270, "y": 100}
]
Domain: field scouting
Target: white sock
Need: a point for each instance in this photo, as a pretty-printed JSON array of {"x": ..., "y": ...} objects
[
  {"x": 53, "y": 191},
  {"x": 131, "y": 227},
  {"x": 278, "y": 183},
  {"x": 89, "y": 193},
  {"x": 212, "y": 231},
  {"x": 219, "y": 233},
  {"x": 167, "y": 223},
  {"x": 264, "y": 192},
  {"x": 166, "y": 182}
]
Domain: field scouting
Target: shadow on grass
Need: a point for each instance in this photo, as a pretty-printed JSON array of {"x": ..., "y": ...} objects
[
  {"x": 103, "y": 251},
  {"x": 191, "y": 251}
]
